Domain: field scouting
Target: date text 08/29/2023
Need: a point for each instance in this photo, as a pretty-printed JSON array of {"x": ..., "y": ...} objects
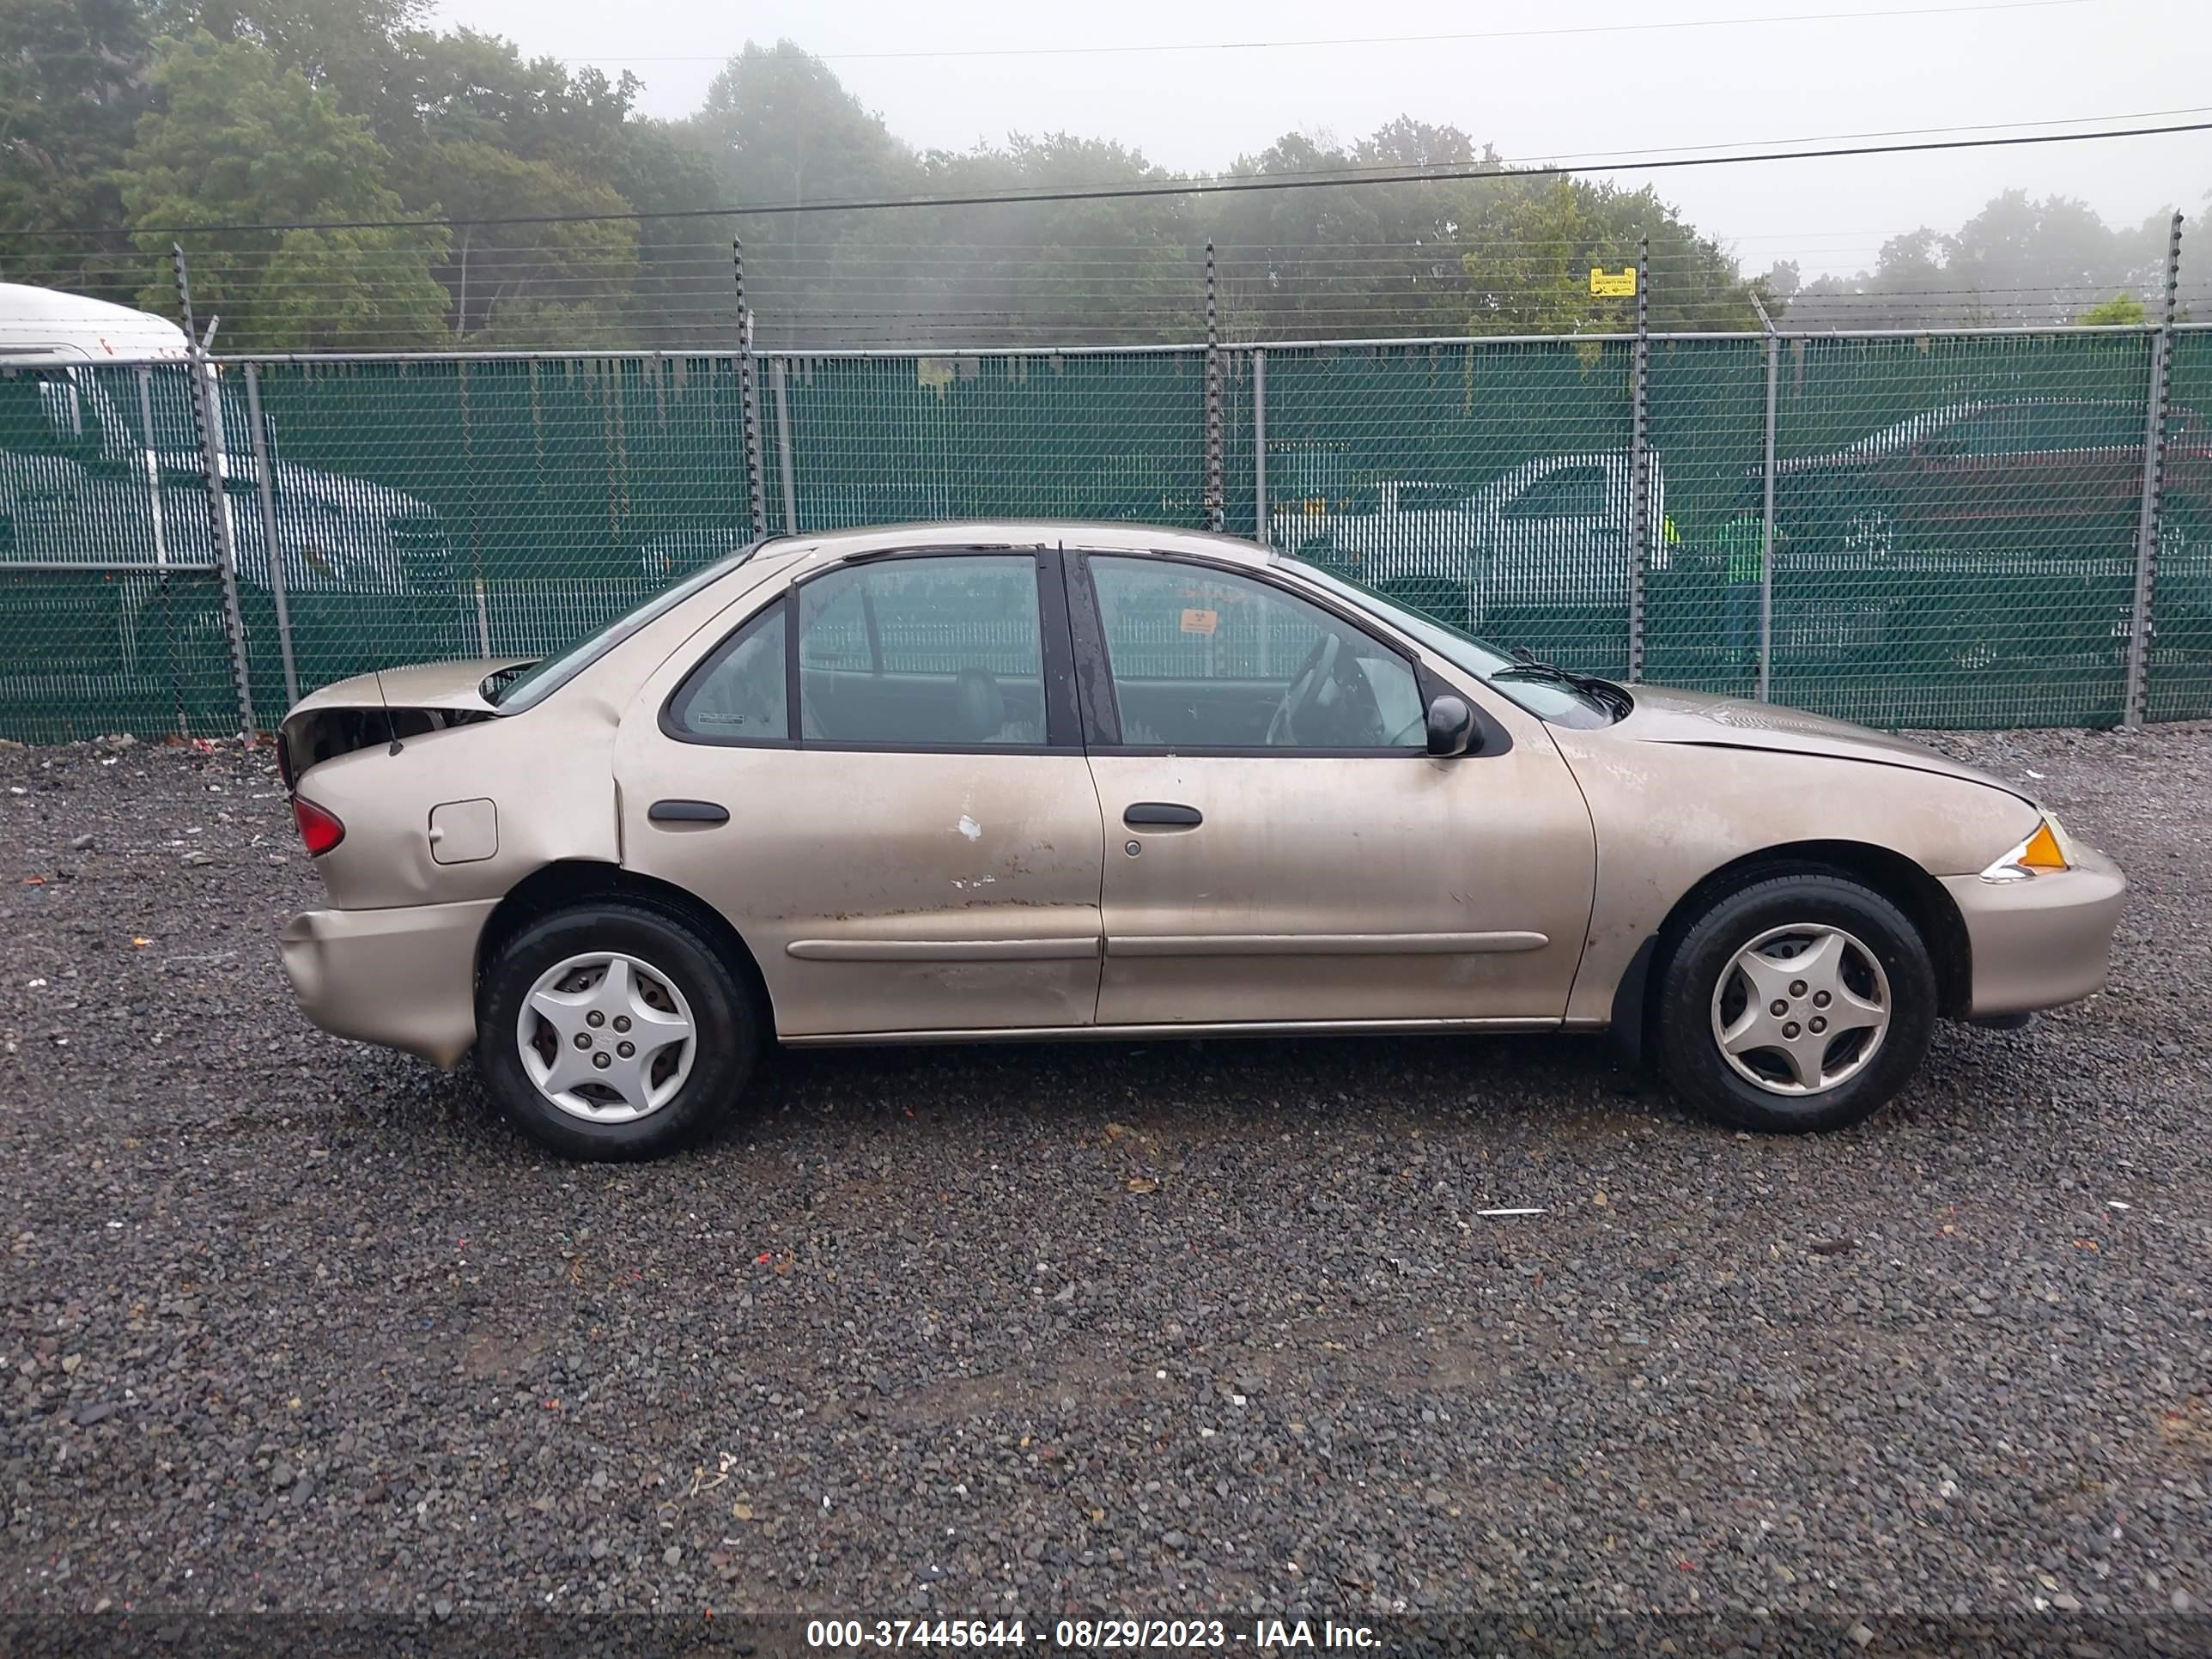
[{"x": 1090, "y": 1634}]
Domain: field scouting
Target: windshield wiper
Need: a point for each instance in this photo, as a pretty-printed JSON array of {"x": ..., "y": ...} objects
[{"x": 1527, "y": 662}]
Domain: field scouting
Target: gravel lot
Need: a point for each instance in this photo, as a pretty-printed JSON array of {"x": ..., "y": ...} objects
[{"x": 291, "y": 1323}]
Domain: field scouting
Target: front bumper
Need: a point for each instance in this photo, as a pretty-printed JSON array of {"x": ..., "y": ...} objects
[
  {"x": 405, "y": 977},
  {"x": 2043, "y": 941}
]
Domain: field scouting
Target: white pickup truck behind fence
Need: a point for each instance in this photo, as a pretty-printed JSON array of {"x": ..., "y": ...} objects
[{"x": 1551, "y": 534}]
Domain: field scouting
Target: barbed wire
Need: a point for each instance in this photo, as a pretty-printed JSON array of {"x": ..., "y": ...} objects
[{"x": 905, "y": 295}]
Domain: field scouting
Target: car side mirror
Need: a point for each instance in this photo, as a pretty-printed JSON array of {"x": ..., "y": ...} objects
[{"x": 1451, "y": 726}]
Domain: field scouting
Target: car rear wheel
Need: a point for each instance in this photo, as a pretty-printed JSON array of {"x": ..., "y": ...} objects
[
  {"x": 612, "y": 1030},
  {"x": 1798, "y": 1002}
]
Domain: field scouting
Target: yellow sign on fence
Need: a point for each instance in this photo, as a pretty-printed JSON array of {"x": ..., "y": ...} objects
[{"x": 1611, "y": 285}]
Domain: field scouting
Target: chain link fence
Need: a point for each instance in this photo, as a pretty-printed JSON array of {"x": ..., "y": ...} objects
[{"x": 1956, "y": 521}]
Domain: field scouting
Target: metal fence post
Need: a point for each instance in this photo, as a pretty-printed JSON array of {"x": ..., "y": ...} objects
[
  {"x": 778, "y": 376},
  {"x": 748, "y": 395},
  {"x": 1214, "y": 507},
  {"x": 1639, "y": 463},
  {"x": 2149, "y": 526},
  {"x": 1766, "y": 524},
  {"x": 269, "y": 540},
  {"x": 1259, "y": 529},
  {"x": 207, "y": 416}
]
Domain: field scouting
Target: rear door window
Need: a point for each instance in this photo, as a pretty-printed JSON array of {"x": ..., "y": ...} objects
[
  {"x": 926, "y": 651},
  {"x": 738, "y": 695}
]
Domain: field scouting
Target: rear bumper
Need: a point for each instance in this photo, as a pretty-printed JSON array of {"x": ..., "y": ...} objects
[
  {"x": 2041, "y": 942},
  {"x": 403, "y": 977}
]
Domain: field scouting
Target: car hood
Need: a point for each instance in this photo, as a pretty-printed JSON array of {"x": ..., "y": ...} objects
[
  {"x": 341, "y": 495},
  {"x": 1695, "y": 717}
]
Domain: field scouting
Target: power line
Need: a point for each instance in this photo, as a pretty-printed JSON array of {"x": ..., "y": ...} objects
[
  {"x": 1898, "y": 132},
  {"x": 1492, "y": 170},
  {"x": 909, "y": 54}
]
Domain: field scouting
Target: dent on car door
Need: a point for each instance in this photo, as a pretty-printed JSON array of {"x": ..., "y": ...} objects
[
  {"x": 1280, "y": 847},
  {"x": 879, "y": 781}
]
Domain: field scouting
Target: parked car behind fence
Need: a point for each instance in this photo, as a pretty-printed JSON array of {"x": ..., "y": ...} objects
[
  {"x": 1546, "y": 543},
  {"x": 1489, "y": 482},
  {"x": 103, "y": 494}
]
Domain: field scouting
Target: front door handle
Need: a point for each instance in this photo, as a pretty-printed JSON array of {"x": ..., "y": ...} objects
[
  {"x": 687, "y": 811},
  {"x": 1157, "y": 814}
]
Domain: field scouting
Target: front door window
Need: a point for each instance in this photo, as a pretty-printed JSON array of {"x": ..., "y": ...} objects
[{"x": 1207, "y": 659}]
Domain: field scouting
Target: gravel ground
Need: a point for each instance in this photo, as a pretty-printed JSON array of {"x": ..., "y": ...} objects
[{"x": 291, "y": 1323}]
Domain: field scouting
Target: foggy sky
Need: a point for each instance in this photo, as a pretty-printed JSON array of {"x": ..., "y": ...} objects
[{"x": 1533, "y": 99}]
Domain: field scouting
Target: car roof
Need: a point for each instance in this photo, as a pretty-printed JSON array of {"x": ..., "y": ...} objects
[
  {"x": 828, "y": 547},
  {"x": 33, "y": 319},
  {"x": 1913, "y": 427}
]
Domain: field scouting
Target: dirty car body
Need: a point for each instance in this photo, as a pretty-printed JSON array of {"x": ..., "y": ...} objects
[{"x": 1033, "y": 779}]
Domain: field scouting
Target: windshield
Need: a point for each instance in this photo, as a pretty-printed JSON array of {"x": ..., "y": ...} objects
[
  {"x": 1535, "y": 690},
  {"x": 175, "y": 431},
  {"x": 511, "y": 692}
]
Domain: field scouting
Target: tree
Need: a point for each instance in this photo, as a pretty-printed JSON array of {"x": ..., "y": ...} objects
[
  {"x": 237, "y": 140},
  {"x": 2017, "y": 262},
  {"x": 1289, "y": 269},
  {"x": 1532, "y": 249},
  {"x": 1046, "y": 272},
  {"x": 2039, "y": 258},
  {"x": 1529, "y": 267},
  {"x": 2122, "y": 310},
  {"x": 530, "y": 284},
  {"x": 276, "y": 112},
  {"x": 466, "y": 87},
  {"x": 350, "y": 49},
  {"x": 783, "y": 129},
  {"x": 72, "y": 85}
]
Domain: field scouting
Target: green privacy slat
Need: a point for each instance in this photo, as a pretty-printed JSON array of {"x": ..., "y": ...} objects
[
  {"x": 1398, "y": 465},
  {"x": 883, "y": 440},
  {"x": 543, "y": 496},
  {"x": 1957, "y": 514},
  {"x": 1960, "y": 518},
  {"x": 133, "y": 638}
]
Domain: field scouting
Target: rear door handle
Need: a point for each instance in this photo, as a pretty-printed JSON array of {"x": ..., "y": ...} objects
[
  {"x": 1158, "y": 813},
  {"x": 687, "y": 811}
]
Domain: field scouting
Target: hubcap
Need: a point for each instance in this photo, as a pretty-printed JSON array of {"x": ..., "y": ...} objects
[
  {"x": 1800, "y": 1010},
  {"x": 607, "y": 1037}
]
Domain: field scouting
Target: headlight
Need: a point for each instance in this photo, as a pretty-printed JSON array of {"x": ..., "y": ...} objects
[{"x": 2047, "y": 852}]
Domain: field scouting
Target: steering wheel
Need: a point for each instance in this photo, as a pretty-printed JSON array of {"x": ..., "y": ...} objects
[{"x": 1317, "y": 671}]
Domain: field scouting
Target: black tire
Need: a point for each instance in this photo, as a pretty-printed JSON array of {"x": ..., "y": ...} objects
[
  {"x": 726, "y": 1019},
  {"x": 1689, "y": 1055}
]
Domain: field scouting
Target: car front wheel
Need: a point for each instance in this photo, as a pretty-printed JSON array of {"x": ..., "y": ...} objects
[
  {"x": 1798, "y": 1002},
  {"x": 613, "y": 1030}
]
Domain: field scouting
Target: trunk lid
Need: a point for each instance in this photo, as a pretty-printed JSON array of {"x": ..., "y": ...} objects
[{"x": 387, "y": 707}]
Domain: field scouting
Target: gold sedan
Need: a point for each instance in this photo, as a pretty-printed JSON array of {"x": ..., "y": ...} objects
[{"x": 996, "y": 781}]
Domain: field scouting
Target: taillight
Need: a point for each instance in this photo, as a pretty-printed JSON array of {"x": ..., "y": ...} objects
[{"x": 320, "y": 830}]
